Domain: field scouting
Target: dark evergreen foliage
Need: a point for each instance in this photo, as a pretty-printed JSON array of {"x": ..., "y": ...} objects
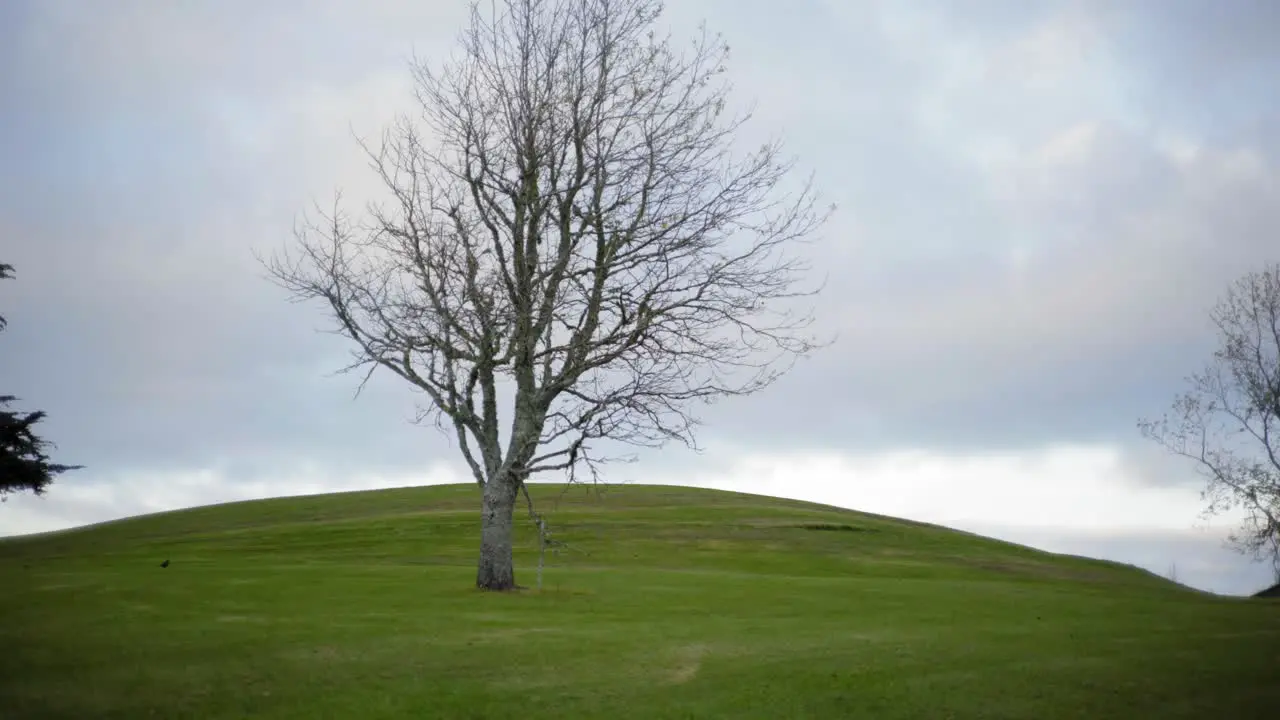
[{"x": 24, "y": 464}]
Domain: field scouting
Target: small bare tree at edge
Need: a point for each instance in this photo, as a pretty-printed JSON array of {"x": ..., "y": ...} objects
[
  {"x": 1228, "y": 422},
  {"x": 575, "y": 230}
]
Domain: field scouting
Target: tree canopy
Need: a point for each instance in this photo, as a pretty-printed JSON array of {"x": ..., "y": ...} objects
[
  {"x": 574, "y": 246},
  {"x": 1228, "y": 421}
]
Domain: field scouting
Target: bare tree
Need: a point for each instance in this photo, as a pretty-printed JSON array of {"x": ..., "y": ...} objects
[
  {"x": 573, "y": 239},
  {"x": 1228, "y": 423}
]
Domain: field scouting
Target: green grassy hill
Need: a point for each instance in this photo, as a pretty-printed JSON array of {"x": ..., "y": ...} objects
[{"x": 671, "y": 603}]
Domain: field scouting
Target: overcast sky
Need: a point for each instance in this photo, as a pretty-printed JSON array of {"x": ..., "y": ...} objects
[{"x": 1038, "y": 203}]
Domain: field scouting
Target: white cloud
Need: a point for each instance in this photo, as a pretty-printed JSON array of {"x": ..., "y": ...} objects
[
  {"x": 1064, "y": 488},
  {"x": 69, "y": 503}
]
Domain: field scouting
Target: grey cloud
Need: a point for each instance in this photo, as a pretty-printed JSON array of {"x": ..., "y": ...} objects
[
  {"x": 159, "y": 148},
  {"x": 1101, "y": 329},
  {"x": 946, "y": 341},
  {"x": 141, "y": 320},
  {"x": 1220, "y": 63}
]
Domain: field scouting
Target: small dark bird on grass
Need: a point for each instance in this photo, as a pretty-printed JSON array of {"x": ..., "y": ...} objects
[{"x": 165, "y": 563}]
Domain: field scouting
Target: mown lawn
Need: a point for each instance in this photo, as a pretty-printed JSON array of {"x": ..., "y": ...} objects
[{"x": 673, "y": 603}]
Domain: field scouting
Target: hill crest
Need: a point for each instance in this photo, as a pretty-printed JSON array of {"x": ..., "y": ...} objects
[{"x": 655, "y": 526}]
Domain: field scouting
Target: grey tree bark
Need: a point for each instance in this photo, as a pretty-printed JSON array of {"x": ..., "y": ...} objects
[
  {"x": 496, "y": 569},
  {"x": 575, "y": 247}
]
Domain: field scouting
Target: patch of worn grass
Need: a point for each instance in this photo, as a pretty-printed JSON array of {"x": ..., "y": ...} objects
[{"x": 673, "y": 602}]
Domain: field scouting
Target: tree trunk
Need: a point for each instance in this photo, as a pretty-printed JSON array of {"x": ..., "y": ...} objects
[{"x": 496, "y": 570}]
